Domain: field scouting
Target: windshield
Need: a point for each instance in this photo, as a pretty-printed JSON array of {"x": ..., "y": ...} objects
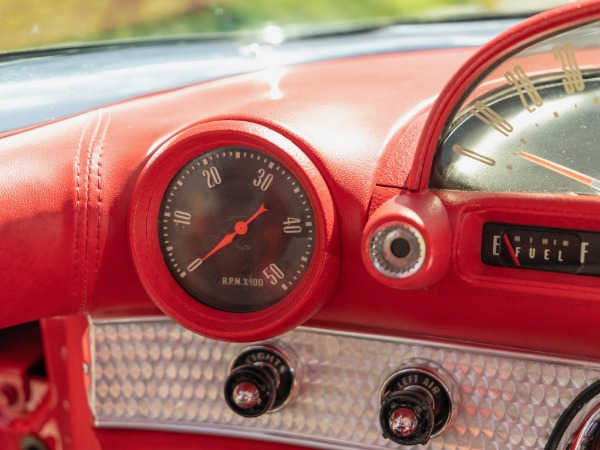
[{"x": 31, "y": 24}]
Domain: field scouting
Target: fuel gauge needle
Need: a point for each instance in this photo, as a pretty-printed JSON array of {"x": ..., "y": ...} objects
[
  {"x": 511, "y": 251},
  {"x": 562, "y": 170}
]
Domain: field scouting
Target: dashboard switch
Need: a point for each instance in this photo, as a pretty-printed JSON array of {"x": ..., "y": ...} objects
[
  {"x": 262, "y": 378},
  {"x": 417, "y": 403}
]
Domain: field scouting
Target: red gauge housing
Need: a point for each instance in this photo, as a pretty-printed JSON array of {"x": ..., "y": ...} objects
[{"x": 312, "y": 288}]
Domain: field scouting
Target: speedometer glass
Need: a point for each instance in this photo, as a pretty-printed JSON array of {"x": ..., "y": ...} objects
[
  {"x": 236, "y": 229},
  {"x": 531, "y": 124}
]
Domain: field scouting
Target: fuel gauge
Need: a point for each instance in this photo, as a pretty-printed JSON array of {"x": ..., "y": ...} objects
[{"x": 536, "y": 248}]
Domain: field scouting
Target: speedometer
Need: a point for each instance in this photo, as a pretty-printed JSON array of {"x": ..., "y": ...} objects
[{"x": 531, "y": 124}]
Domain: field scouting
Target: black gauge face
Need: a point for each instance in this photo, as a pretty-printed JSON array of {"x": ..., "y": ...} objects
[
  {"x": 554, "y": 151},
  {"x": 236, "y": 229}
]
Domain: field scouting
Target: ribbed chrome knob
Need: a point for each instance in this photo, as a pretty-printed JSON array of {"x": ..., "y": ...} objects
[{"x": 397, "y": 249}]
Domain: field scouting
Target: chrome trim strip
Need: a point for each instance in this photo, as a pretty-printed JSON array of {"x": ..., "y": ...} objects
[
  {"x": 150, "y": 373},
  {"x": 452, "y": 345}
]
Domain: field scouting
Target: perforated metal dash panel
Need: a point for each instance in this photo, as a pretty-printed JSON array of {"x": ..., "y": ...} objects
[{"x": 154, "y": 374}]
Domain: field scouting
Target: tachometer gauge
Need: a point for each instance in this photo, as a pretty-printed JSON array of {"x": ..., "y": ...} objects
[
  {"x": 236, "y": 229},
  {"x": 232, "y": 231},
  {"x": 531, "y": 124}
]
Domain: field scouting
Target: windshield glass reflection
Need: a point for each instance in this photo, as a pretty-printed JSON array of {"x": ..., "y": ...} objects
[{"x": 29, "y": 24}]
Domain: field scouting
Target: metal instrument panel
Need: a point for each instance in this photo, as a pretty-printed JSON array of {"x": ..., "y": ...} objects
[{"x": 153, "y": 374}]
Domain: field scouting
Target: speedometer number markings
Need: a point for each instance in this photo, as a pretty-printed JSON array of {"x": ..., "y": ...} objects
[
  {"x": 495, "y": 114},
  {"x": 524, "y": 86},
  {"x": 473, "y": 155},
  {"x": 490, "y": 117},
  {"x": 573, "y": 80}
]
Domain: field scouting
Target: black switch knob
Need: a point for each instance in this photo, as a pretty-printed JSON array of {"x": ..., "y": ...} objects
[
  {"x": 417, "y": 403},
  {"x": 406, "y": 417},
  {"x": 250, "y": 390}
]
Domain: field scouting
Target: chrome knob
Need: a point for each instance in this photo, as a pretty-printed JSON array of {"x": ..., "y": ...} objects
[
  {"x": 397, "y": 250},
  {"x": 246, "y": 395},
  {"x": 416, "y": 403},
  {"x": 404, "y": 422},
  {"x": 250, "y": 390},
  {"x": 261, "y": 379},
  {"x": 406, "y": 417}
]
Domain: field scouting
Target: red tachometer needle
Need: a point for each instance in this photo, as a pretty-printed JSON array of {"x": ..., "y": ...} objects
[{"x": 240, "y": 228}]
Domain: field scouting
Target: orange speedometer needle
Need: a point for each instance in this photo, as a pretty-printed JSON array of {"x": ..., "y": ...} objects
[
  {"x": 562, "y": 170},
  {"x": 240, "y": 228}
]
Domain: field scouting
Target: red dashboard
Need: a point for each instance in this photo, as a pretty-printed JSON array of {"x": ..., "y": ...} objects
[{"x": 82, "y": 198}]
